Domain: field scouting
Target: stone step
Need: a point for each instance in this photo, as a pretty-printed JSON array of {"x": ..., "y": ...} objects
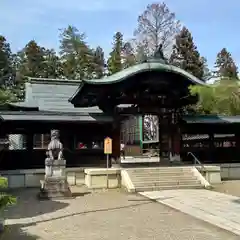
[
  {"x": 156, "y": 175},
  {"x": 151, "y": 178},
  {"x": 160, "y": 188},
  {"x": 159, "y": 172},
  {"x": 165, "y": 183},
  {"x": 160, "y": 169}
]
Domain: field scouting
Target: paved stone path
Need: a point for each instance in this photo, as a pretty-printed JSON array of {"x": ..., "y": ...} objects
[
  {"x": 216, "y": 208},
  {"x": 103, "y": 215}
]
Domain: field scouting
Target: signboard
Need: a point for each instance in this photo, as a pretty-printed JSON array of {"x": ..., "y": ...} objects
[{"x": 107, "y": 145}]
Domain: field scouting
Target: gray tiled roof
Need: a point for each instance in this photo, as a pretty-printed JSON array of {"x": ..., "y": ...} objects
[
  {"x": 53, "y": 95},
  {"x": 41, "y": 116}
]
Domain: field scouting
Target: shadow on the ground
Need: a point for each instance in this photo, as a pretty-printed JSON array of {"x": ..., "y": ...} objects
[
  {"x": 236, "y": 201},
  {"x": 16, "y": 231},
  {"x": 80, "y": 194},
  {"x": 29, "y": 206},
  {"x": 88, "y": 212}
]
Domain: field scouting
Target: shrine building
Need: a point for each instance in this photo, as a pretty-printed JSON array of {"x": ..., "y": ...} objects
[{"x": 142, "y": 106}]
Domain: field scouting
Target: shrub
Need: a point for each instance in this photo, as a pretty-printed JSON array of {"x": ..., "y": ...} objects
[{"x": 5, "y": 199}]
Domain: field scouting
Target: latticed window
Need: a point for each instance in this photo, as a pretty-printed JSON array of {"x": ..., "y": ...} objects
[
  {"x": 41, "y": 141},
  {"x": 196, "y": 140},
  {"x": 16, "y": 141},
  {"x": 130, "y": 130},
  {"x": 224, "y": 140}
]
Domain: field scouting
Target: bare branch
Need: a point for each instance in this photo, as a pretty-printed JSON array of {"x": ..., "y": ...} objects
[{"x": 157, "y": 25}]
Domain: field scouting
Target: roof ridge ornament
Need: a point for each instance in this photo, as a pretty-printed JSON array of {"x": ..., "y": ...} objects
[{"x": 158, "y": 55}]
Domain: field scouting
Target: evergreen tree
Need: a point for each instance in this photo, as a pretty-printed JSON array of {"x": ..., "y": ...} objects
[
  {"x": 115, "y": 60},
  {"x": 185, "y": 54},
  {"x": 8, "y": 86},
  {"x": 225, "y": 65},
  {"x": 128, "y": 55},
  {"x": 99, "y": 62},
  {"x": 141, "y": 54},
  {"x": 76, "y": 55},
  {"x": 32, "y": 60},
  {"x": 52, "y": 66},
  {"x": 207, "y": 74},
  {"x": 6, "y": 68}
]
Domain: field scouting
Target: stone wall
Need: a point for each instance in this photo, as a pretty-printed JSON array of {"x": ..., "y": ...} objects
[
  {"x": 230, "y": 171},
  {"x": 76, "y": 176},
  {"x": 32, "y": 177}
]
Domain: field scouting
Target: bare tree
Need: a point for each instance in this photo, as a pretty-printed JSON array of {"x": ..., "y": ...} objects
[{"x": 156, "y": 25}]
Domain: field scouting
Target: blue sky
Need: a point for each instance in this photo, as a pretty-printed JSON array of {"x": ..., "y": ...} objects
[{"x": 213, "y": 23}]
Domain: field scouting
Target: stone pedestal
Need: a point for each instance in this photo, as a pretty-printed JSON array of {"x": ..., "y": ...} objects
[{"x": 55, "y": 184}]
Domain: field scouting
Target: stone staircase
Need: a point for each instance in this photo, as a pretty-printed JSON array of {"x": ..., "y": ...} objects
[{"x": 162, "y": 178}]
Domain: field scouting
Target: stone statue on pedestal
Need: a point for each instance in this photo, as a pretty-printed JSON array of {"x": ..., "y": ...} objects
[
  {"x": 55, "y": 183},
  {"x": 54, "y": 153}
]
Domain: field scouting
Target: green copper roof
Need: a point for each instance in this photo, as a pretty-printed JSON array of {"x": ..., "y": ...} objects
[
  {"x": 154, "y": 65},
  {"x": 143, "y": 67},
  {"x": 211, "y": 119}
]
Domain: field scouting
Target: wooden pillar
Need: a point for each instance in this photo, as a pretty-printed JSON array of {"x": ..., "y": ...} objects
[
  {"x": 160, "y": 136},
  {"x": 29, "y": 141},
  {"x": 211, "y": 155},
  {"x": 116, "y": 140},
  {"x": 29, "y": 147},
  {"x": 237, "y": 144},
  {"x": 176, "y": 139}
]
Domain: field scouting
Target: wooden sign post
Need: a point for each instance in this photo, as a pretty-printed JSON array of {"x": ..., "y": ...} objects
[{"x": 107, "y": 151}]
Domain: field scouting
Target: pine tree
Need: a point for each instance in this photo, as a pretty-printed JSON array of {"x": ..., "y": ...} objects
[
  {"x": 225, "y": 65},
  {"x": 115, "y": 60},
  {"x": 185, "y": 54}
]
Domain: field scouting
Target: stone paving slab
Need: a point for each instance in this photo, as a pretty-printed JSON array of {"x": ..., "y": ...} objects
[
  {"x": 103, "y": 215},
  {"x": 219, "y": 209}
]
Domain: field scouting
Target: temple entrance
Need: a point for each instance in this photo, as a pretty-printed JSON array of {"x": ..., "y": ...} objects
[{"x": 152, "y": 87}]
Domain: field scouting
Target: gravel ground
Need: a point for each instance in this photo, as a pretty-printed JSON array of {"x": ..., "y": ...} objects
[
  {"x": 228, "y": 187},
  {"x": 103, "y": 215}
]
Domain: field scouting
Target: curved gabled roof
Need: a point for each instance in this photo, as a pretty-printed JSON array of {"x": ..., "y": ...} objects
[
  {"x": 144, "y": 67},
  {"x": 125, "y": 74}
]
